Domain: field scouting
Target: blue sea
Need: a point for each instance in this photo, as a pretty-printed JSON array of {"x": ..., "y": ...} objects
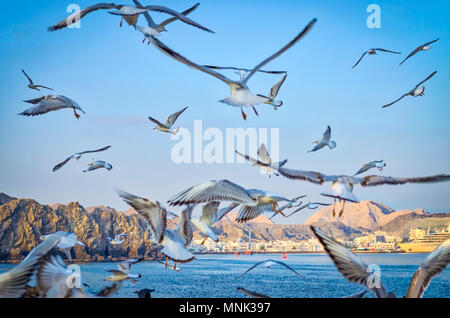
[{"x": 216, "y": 276}]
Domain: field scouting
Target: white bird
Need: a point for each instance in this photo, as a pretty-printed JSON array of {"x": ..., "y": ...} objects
[
  {"x": 77, "y": 156},
  {"x": 14, "y": 281},
  {"x": 55, "y": 280},
  {"x": 211, "y": 214},
  {"x": 415, "y": 92},
  {"x": 424, "y": 47},
  {"x": 254, "y": 201},
  {"x": 354, "y": 269},
  {"x": 242, "y": 72},
  {"x": 154, "y": 29},
  {"x": 167, "y": 127},
  {"x": 123, "y": 273},
  {"x": 325, "y": 141},
  {"x": 32, "y": 85},
  {"x": 342, "y": 185},
  {"x": 240, "y": 95},
  {"x": 117, "y": 239},
  {"x": 98, "y": 165},
  {"x": 268, "y": 264},
  {"x": 373, "y": 52},
  {"x": 66, "y": 242},
  {"x": 129, "y": 13},
  {"x": 265, "y": 162},
  {"x": 379, "y": 164},
  {"x": 173, "y": 242},
  {"x": 274, "y": 92},
  {"x": 49, "y": 103}
]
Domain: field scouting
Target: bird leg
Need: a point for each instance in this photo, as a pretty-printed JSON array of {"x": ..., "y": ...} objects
[
  {"x": 175, "y": 266},
  {"x": 167, "y": 263},
  {"x": 254, "y": 109},
  {"x": 276, "y": 209},
  {"x": 121, "y": 20},
  {"x": 342, "y": 211},
  {"x": 144, "y": 39},
  {"x": 243, "y": 114},
  {"x": 76, "y": 115},
  {"x": 204, "y": 240},
  {"x": 334, "y": 208}
]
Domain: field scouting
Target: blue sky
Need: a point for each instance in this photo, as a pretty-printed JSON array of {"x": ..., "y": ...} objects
[{"x": 119, "y": 81}]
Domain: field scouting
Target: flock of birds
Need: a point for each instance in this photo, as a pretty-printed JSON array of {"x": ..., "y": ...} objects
[{"x": 52, "y": 274}]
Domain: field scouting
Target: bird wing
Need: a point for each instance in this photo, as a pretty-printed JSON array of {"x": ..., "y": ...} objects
[
  {"x": 270, "y": 260},
  {"x": 417, "y": 49},
  {"x": 281, "y": 51},
  {"x": 52, "y": 273},
  {"x": 186, "y": 12},
  {"x": 126, "y": 265},
  {"x": 430, "y": 267},
  {"x": 147, "y": 16},
  {"x": 353, "y": 268},
  {"x": 311, "y": 176},
  {"x": 166, "y": 50},
  {"x": 242, "y": 69},
  {"x": 60, "y": 165},
  {"x": 326, "y": 135},
  {"x": 108, "y": 291},
  {"x": 172, "y": 118},
  {"x": 35, "y": 100},
  {"x": 276, "y": 88},
  {"x": 76, "y": 16},
  {"x": 384, "y": 50},
  {"x": 299, "y": 209},
  {"x": 44, "y": 87},
  {"x": 222, "y": 190},
  {"x": 43, "y": 107},
  {"x": 247, "y": 213},
  {"x": 428, "y": 43},
  {"x": 359, "y": 59},
  {"x": 29, "y": 79},
  {"x": 151, "y": 211},
  {"x": 264, "y": 154},
  {"x": 209, "y": 213},
  {"x": 252, "y": 293},
  {"x": 363, "y": 169},
  {"x": 184, "y": 225},
  {"x": 224, "y": 211},
  {"x": 98, "y": 150},
  {"x": 252, "y": 160},
  {"x": 387, "y": 105},
  {"x": 370, "y": 181},
  {"x": 429, "y": 76},
  {"x": 157, "y": 122}
]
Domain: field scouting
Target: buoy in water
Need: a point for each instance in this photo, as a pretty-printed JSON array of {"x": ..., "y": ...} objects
[{"x": 284, "y": 255}]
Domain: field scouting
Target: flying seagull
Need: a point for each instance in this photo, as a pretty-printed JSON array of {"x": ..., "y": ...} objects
[
  {"x": 325, "y": 141},
  {"x": 354, "y": 269},
  {"x": 55, "y": 280},
  {"x": 117, "y": 239},
  {"x": 268, "y": 264},
  {"x": 240, "y": 94},
  {"x": 309, "y": 205},
  {"x": 173, "y": 242},
  {"x": 373, "y": 52},
  {"x": 129, "y": 13},
  {"x": 242, "y": 72},
  {"x": 265, "y": 162},
  {"x": 98, "y": 165},
  {"x": 254, "y": 201},
  {"x": 66, "y": 242},
  {"x": 290, "y": 205},
  {"x": 14, "y": 281},
  {"x": 77, "y": 156},
  {"x": 32, "y": 85},
  {"x": 156, "y": 29},
  {"x": 169, "y": 123},
  {"x": 379, "y": 164},
  {"x": 45, "y": 104},
  {"x": 251, "y": 293},
  {"x": 424, "y": 47},
  {"x": 123, "y": 273},
  {"x": 415, "y": 92},
  {"x": 274, "y": 92},
  {"x": 342, "y": 185}
]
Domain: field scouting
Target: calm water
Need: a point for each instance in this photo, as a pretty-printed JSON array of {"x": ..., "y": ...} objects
[{"x": 216, "y": 276}]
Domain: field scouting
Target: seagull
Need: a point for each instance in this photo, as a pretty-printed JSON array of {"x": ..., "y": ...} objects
[
  {"x": 66, "y": 242},
  {"x": 48, "y": 103},
  {"x": 273, "y": 94},
  {"x": 310, "y": 205},
  {"x": 268, "y": 264},
  {"x": 325, "y": 141},
  {"x": 373, "y": 52},
  {"x": 32, "y": 85},
  {"x": 379, "y": 164},
  {"x": 293, "y": 204},
  {"x": 354, "y": 269},
  {"x": 14, "y": 282},
  {"x": 97, "y": 165},
  {"x": 129, "y": 13},
  {"x": 254, "y": 201},
  {"x": 415, "y": 92},
  {"x": 266, "y": 162},
  {"x": 211, "y": 214},
  {"x": 424, "y": 47},
  {"x": 240, "y": 95},
  {"x": 55, "y": 280},
  {"x": 123, "y": 273},
  {"x": 242, "y": 72},
  {"x": 252, "y": 293},
  {"x": 77, "y": 156},
  {"x": 156, "y": 29},
  {"x": 144, "y": 293},
  {"x": 173, "y": 241},
  {"x": 116, "y": 240},
  {"x": 169, "y": 123},
  {"x": 342, "y": 185}
]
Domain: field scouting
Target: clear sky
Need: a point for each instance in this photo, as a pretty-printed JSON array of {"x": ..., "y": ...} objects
[{"x": 119, "y": 81}]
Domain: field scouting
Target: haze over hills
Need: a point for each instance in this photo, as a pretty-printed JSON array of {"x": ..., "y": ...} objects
[{"x": 23, "y": 221}]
